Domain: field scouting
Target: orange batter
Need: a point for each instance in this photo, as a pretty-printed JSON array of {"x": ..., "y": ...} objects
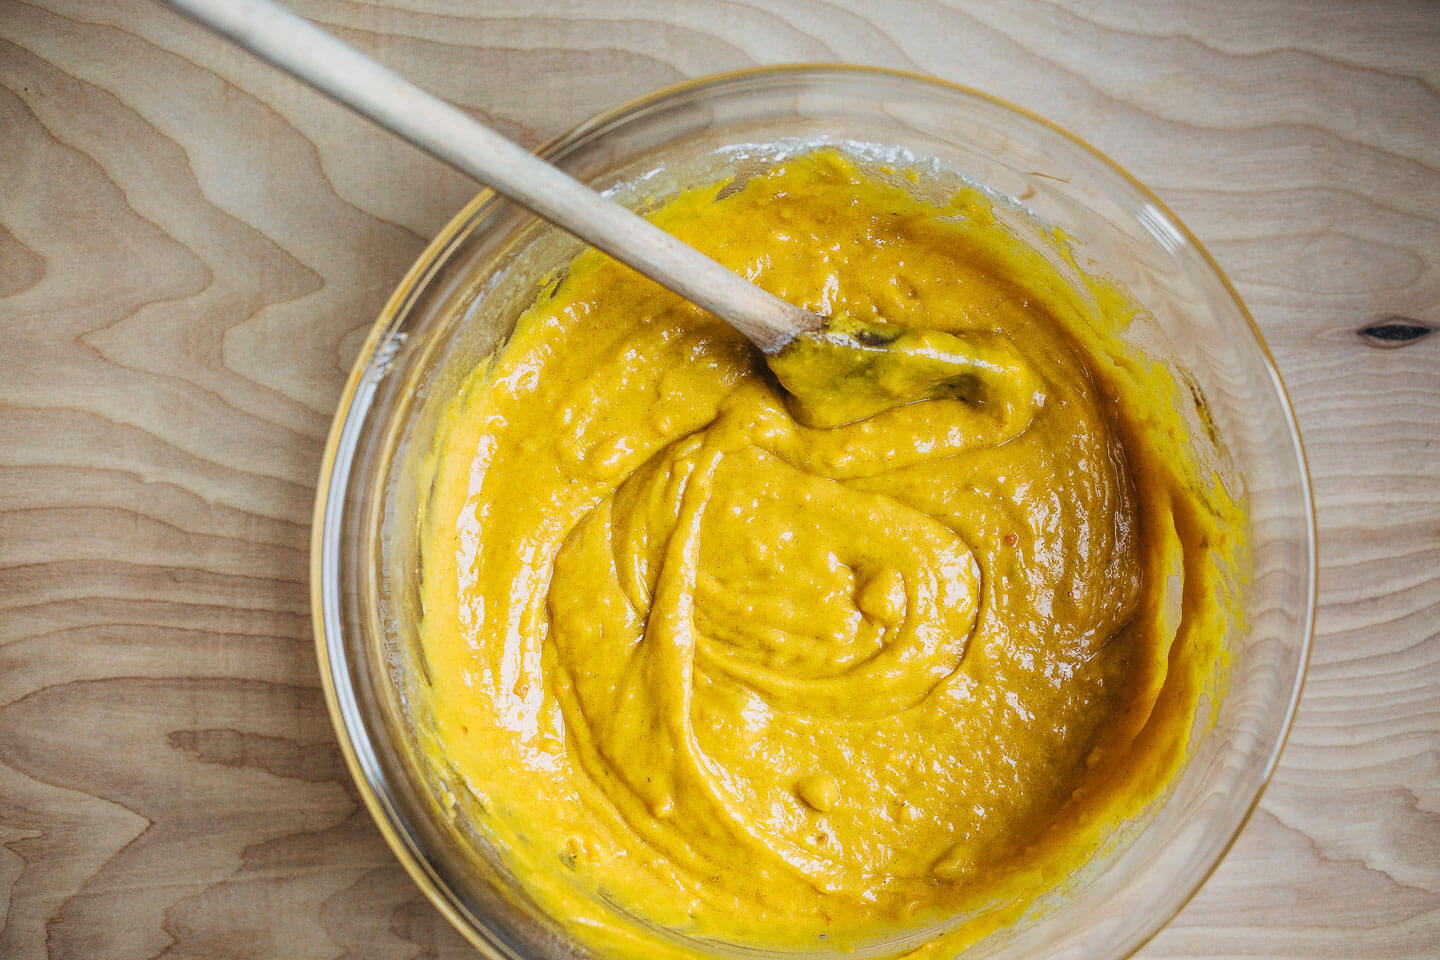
[{"x": 706, "y": 668}]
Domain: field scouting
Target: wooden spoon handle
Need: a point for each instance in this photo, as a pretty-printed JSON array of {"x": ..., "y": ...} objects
[{"x": 319, "y": 59}]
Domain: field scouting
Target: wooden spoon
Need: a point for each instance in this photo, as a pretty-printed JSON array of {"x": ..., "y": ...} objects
[{"x": 848, "y": 369}]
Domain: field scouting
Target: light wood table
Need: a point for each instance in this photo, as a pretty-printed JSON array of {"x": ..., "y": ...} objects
[{"x": 192, "y": 246}]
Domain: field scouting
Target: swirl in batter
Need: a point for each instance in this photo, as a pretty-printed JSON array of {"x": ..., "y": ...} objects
[{"x": 707, "y": 668}]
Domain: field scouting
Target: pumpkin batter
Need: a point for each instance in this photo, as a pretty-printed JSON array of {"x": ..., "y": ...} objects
[{"x": 707, "y": 669}]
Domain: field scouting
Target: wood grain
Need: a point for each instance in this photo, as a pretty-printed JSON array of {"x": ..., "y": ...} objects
[{"x": 191, "y": 247}]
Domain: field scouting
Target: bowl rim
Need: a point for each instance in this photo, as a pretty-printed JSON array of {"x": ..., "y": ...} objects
[{"x": 330, "y": 483}]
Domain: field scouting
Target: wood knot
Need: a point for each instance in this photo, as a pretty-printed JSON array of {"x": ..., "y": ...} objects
[{"x": 1394, "y": 331}]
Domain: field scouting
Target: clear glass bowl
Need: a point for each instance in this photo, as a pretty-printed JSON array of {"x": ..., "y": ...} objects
[{"x": 460, "y": 300}]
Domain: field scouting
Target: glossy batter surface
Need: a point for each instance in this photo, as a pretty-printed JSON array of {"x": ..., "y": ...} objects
[{"x": 707, "y": 668}]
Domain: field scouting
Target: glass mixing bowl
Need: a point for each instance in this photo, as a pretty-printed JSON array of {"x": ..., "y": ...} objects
[{"x": 461, "y": 299}]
